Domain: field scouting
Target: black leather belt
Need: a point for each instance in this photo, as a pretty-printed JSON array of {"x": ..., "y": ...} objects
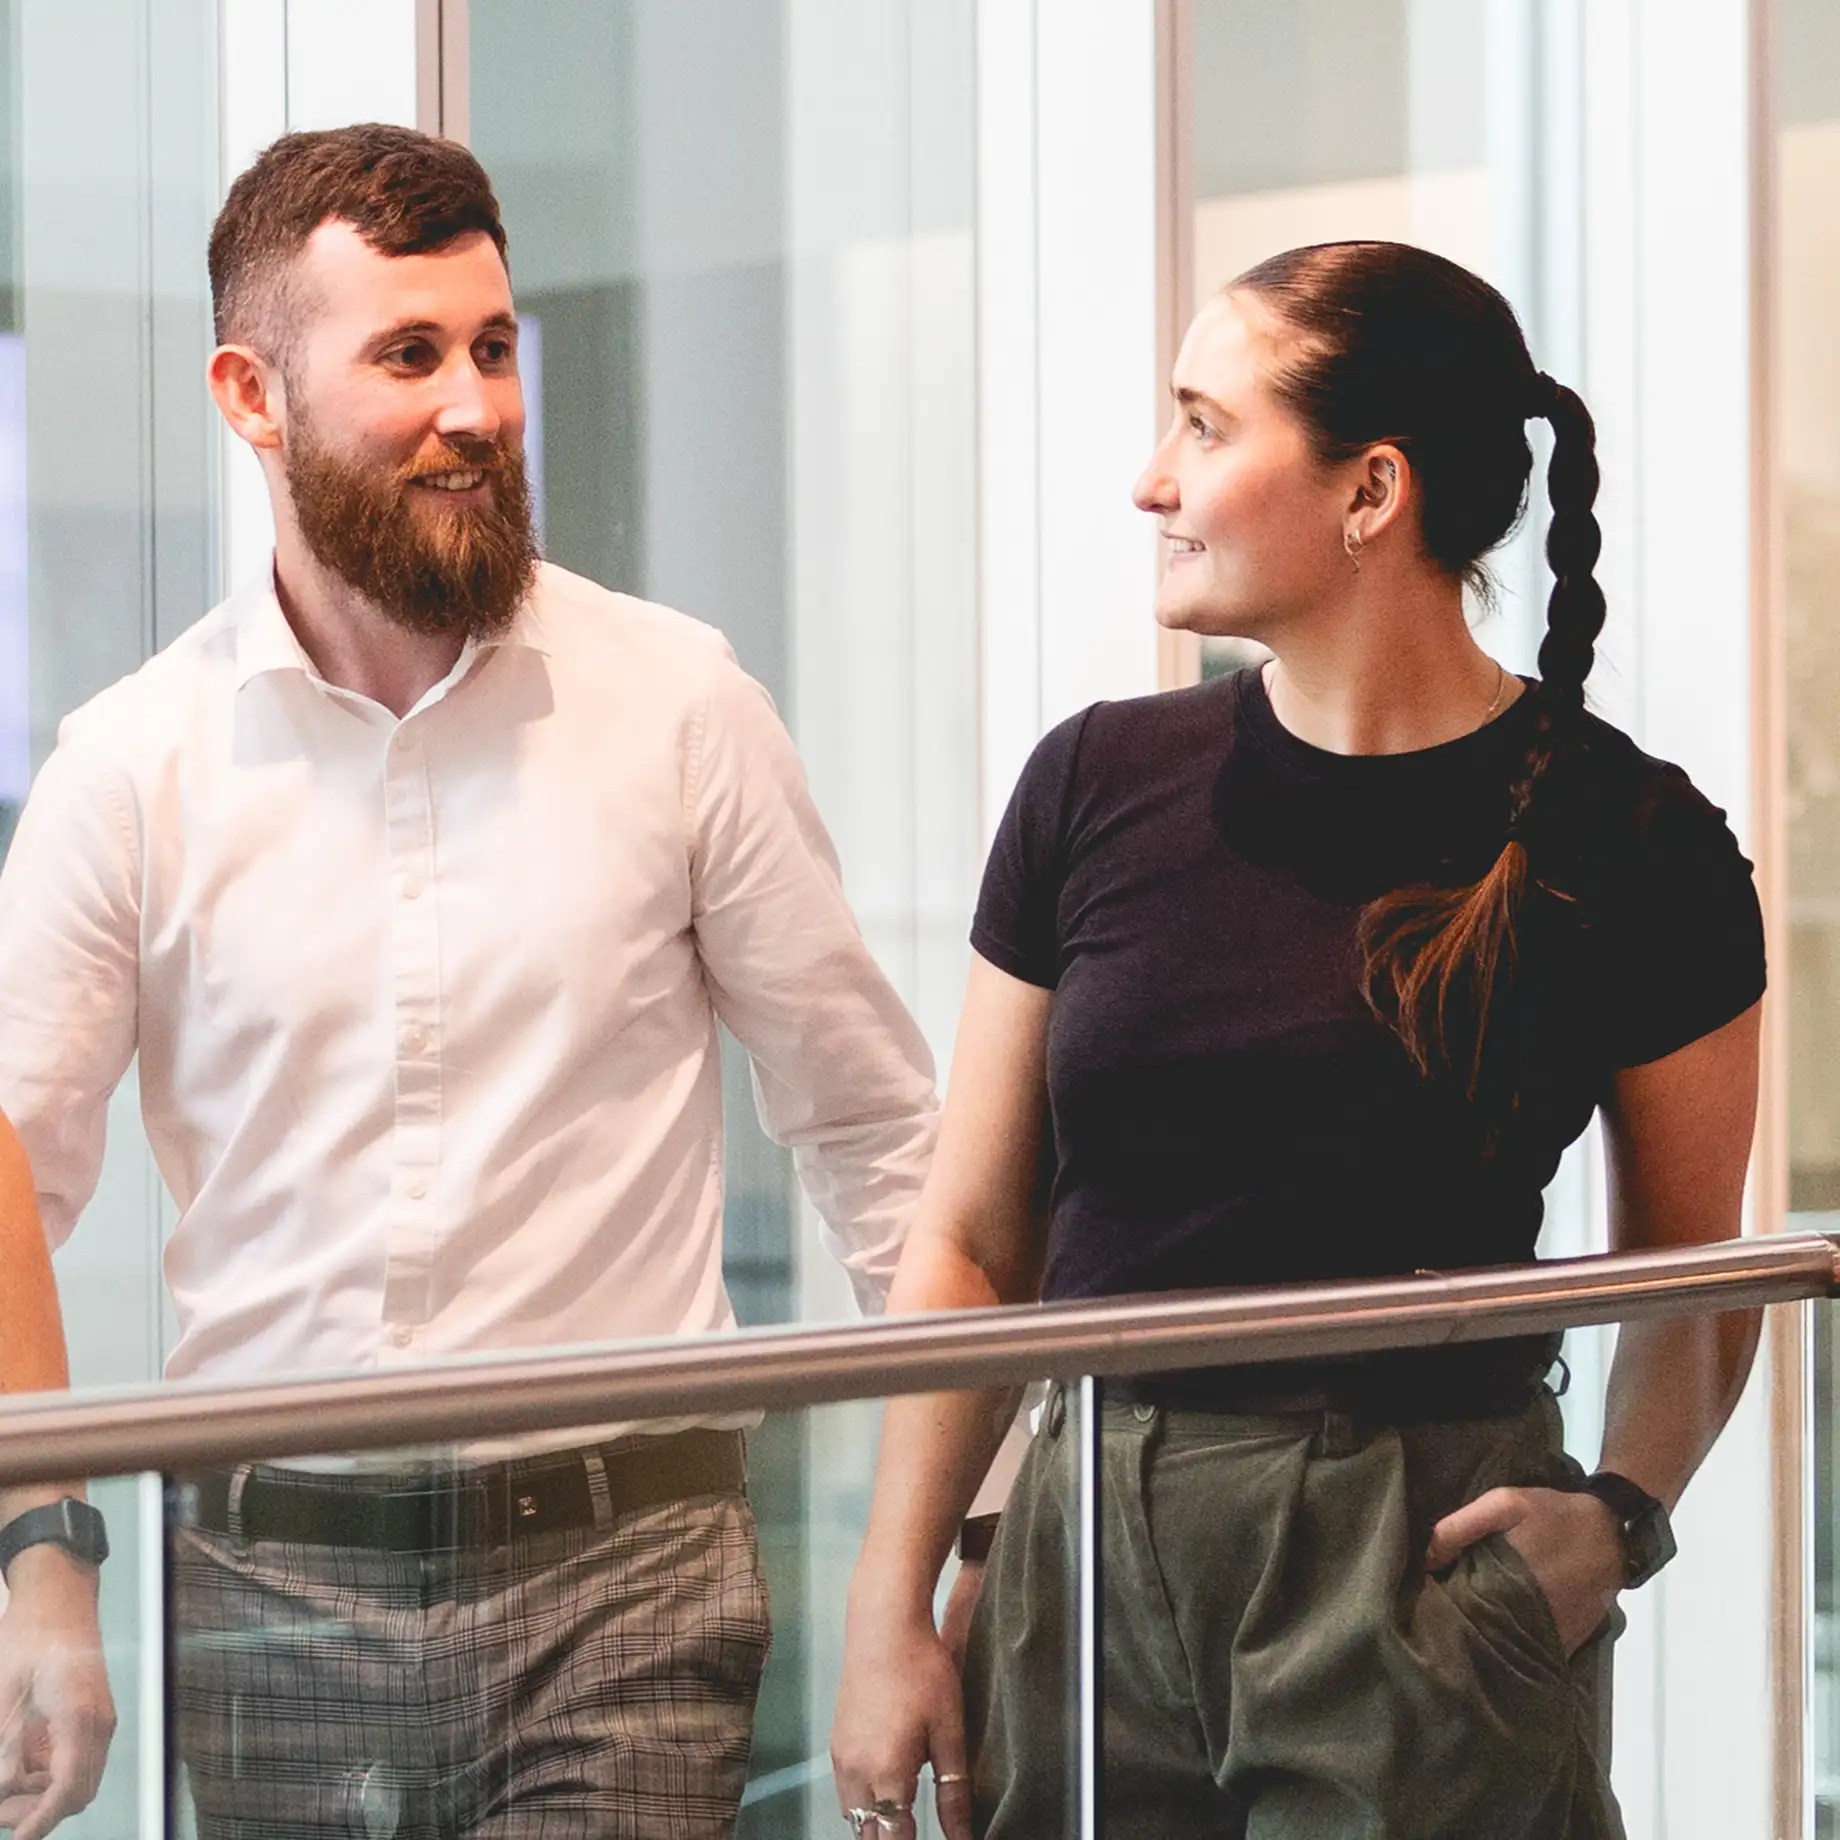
[
  {"x": 481, "y": 1505},
  {"x": 1465, "y": 1381}
]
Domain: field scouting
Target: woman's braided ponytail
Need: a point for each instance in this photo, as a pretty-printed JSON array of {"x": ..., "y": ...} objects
[
  {"x": 1434, "y": 959},
  {"x": 1392, "y": 344}
]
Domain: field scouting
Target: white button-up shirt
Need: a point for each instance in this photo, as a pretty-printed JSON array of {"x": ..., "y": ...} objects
[{"x": 426, "y": 1008}]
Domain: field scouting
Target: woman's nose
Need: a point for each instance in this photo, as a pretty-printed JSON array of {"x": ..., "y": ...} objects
[{"x": 1155, "y": 489}]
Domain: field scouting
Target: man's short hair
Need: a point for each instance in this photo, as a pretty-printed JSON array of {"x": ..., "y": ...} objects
[{"x": 404, "y": 192}]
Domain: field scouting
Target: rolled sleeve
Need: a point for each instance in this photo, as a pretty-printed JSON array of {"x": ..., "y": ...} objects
[{"x": 842, "y": 1073}]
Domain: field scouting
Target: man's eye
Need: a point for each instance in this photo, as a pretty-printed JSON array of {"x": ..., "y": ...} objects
[{"x": 497, "y": 351}]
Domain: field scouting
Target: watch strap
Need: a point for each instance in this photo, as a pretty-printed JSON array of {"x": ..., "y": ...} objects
[
  {"x": 71, "y": 1524},
  {"x": 1643, "y": 1528}
]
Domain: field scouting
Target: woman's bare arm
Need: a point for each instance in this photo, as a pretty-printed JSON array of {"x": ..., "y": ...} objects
[
  {"x": 978, "y": 1240},
  {"x": 1678, "y": 1135}
]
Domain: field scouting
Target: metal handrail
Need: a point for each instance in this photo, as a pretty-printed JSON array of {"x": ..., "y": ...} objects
[{"x": 185, "y": 1424}]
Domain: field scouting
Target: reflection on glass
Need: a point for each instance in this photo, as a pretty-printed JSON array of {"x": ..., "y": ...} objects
[{"x": 1808, "y": 460}]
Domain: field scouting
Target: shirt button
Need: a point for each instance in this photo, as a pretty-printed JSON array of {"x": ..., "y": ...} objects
[
  {"x": 408, "y": 740},
  {"x": 417, "y": 1190},
  {"x": 401, "y": 1335},
  {"x": 414, "y": 1039}
]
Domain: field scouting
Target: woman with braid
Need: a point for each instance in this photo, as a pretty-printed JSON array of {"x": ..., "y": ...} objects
[{"x": 1313, "y": 972}]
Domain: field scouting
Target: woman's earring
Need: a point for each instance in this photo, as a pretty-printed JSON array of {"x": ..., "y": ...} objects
[{"x": 1351, "y": 542}]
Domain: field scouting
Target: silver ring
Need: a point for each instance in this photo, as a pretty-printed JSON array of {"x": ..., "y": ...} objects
[
  {"x": 942, "y": 1777},
  {"x": 858, "y": 1818}
]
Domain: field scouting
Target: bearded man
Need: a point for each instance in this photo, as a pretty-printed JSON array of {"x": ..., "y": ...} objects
[{"x": 417, "y": 874}]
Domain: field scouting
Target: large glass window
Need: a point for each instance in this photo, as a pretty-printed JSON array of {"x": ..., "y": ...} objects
[{"x": 745, "y": 256}]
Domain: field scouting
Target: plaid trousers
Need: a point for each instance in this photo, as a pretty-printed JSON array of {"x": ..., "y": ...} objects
[{"x": 596, "y": 1683}]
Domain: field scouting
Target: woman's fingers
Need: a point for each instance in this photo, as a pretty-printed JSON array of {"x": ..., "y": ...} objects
[
  {"x": 952, "y": 1798},
  {"x": 1494, "y": 1512},
  {"x": 951, "y": 1771}
]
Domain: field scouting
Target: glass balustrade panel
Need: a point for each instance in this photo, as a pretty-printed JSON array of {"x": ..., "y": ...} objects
[{"x": 625, "y": 1630}]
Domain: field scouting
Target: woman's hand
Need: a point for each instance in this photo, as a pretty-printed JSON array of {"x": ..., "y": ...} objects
[
  {"x": 1568, "y": 1539},
  {"x": 900, "y": 1705}
]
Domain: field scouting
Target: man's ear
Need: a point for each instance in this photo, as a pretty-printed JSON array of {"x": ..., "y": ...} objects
[
  {"x": 1383, "y": 487},
  {"x": 249, "y": 394}
]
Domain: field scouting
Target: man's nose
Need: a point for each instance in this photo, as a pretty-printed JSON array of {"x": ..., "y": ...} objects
[{"x": 469, "y": 405}]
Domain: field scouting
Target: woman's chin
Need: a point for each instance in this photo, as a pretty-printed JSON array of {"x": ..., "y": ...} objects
[{"x": 1206, "y": 622}]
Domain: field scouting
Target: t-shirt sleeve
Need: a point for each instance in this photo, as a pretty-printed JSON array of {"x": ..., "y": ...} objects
[
  {"x": 1686, "y": 950},
  {"x": 1017, "y": 924}
]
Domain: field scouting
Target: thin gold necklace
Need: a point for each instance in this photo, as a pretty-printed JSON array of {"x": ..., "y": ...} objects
[{"x": 1501, "y": 690}]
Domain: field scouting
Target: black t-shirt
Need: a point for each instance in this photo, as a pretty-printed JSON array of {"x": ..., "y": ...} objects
[{"x": 1187, "y": 876}]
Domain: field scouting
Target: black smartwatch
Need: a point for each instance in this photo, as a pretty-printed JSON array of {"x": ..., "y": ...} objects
[
  {"x": 71, "y": 1524},
  {"x": 1642, "y": 1525}
]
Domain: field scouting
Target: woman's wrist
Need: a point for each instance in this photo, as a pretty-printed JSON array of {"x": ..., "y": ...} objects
[{"x": 890, "y": 1591}]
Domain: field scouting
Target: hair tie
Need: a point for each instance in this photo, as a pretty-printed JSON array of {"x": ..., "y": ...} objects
[{"x": 1543, "y": 397}]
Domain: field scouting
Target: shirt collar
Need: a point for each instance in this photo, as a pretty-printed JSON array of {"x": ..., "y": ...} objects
[{"x": 266, "y": 642}]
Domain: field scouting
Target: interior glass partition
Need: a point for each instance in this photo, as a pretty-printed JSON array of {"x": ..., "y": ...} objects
[
  {"x": 1416, "y": 122},
  {"x": 108, "y": 181},
  {"x": 1808, "y": 474},
  {"x": 746, "y": 259}
]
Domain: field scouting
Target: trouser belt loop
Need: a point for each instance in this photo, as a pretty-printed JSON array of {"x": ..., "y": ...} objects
[
  {"x": 1339, "y": 1435},
  {"x": 239, "y": 1481},
  {"x": 596, "y": 1466}
]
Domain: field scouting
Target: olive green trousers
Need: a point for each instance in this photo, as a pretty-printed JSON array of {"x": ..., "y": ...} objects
[{"x": 1278, "y": 1664}]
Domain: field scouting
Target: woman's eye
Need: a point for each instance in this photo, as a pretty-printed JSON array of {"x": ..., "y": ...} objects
[{"x": 1199, "y": 428}]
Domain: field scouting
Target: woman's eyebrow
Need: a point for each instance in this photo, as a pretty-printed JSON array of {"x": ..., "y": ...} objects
[{"x": 1197, "y": 399}]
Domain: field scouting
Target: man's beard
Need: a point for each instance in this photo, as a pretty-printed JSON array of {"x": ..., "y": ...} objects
[{"x": 432, "y": 568}]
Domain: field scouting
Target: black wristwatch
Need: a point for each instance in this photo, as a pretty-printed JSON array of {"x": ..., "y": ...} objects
[
  {"x": 71, "y": 1524},
  {"x": 1642, "y": 1525}
]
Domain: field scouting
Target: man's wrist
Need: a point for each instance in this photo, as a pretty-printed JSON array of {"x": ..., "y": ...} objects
[
  {"x": 50, "y": 1567},
  {"x": 69, "y": 1525}
]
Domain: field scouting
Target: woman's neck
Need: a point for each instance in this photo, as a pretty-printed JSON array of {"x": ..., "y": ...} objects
[{"x": 1373, "y": 685}]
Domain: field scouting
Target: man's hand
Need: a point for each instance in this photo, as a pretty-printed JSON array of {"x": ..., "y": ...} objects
[
  {"x": 1569, "y": 1541},
  {"x": 56, "y": 1713}
]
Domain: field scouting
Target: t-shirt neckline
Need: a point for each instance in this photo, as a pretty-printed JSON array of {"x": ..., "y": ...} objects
[{"x": 1498, "y": 738}]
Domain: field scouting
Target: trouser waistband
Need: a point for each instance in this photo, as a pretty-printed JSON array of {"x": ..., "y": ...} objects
[{"x": 483, "y": 1506}]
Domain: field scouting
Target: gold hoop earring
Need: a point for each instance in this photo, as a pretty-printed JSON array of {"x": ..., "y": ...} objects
[{"x": 1351, "y": 543}]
